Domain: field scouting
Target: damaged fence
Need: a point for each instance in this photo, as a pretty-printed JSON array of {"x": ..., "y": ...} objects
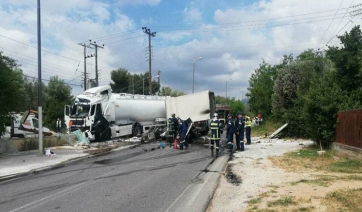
[{"x": 349, "y": 128}]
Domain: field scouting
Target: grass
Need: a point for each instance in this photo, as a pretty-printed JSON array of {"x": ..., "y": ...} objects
[
  {"x": 347, "y": 166},
  {"x": 267, "y": 127},
  {"x": 286, "y": 201},
  {"x": 344, "y": 200},
  {"x": 308, "y": 159}
]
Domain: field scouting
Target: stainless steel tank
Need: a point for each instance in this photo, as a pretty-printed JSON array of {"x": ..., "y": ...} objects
[{"x": 137, "y": 108}]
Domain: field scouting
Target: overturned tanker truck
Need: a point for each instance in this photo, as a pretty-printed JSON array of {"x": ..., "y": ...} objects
[{"x": 102, "y": 115}]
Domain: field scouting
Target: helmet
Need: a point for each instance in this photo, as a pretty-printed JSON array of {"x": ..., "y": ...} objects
[
  {"x": 216, "y": 115},
  {"x": 172, "y": 114},
  {"x": 230, "y": 114}
]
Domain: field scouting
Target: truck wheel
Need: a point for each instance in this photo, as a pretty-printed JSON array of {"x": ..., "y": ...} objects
[{"x": 136, "y": 129}]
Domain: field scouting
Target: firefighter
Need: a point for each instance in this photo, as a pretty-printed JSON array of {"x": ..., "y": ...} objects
[
  {"x": 172, "y": 128},
  {"x": 182, "y": 130},
  {"x": 230, "y": 132},
  {"x": 239, "y": 134},
  {"x": 248, "y": 129},
  {"x": 216, "y": 130}
]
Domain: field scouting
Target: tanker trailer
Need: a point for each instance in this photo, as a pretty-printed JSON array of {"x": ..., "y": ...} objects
[{"x": 102, "y": 115}]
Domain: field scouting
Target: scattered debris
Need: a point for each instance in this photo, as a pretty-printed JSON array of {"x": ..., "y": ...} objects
[
  {"x": 49, "y": 153},
  {"x": 82, "y": 140},
  {"x": 134, "y": 139},
  {"x": 278, "y": 131}
]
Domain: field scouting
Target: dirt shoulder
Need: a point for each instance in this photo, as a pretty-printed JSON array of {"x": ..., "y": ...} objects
[{"x": 278, "y": 175}]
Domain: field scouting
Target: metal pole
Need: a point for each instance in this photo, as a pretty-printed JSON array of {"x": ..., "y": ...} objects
[
  {"x": 40, "y": 97},
  {"x": 193, "y": 77},
  {"x": 85, "y": 67},
  {"x": 96, "y": 56},
  {"x": 226, "y": 89},
  {"x": 143, "y": 85},
  {"x": 149, "y": 64}
]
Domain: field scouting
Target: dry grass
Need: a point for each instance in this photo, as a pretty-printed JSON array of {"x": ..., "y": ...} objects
[
  {"x": 327, "y": 175},
  {"x": 307, "y": 159},
  {"x": 344, "y": 200}
]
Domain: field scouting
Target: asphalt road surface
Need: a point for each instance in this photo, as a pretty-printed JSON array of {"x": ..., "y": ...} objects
[{"x": 127, "y": 180}]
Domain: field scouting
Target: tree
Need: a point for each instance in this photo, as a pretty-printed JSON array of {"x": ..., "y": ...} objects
[
  {"x": 121, "y": 81},
  {"x": 321, "y": 104},
  {"x": 10, "y": 91},
  {"x": 347, "y": 60},
  {"x": 57, "y": 95},
  {"x": 260, "y": 89},
  {"x": 124, "y": 82},
  {"x": 237, "y": 106}
]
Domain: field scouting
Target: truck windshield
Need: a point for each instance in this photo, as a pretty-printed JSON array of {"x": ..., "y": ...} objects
[{"x": 80, "y": 109}]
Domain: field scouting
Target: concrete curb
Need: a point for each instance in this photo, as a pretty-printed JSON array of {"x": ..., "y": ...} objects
[
  {"x": 61, "y": 164},
  {"x": 197, "y": 195}
]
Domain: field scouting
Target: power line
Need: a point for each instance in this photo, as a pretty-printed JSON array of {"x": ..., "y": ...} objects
[
  {"x": 41, "y": 49},
  {"x": 330, "y": 24}
]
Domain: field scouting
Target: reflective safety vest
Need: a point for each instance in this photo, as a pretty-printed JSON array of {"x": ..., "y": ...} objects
[
  {"x": 247, "y": 121},
  {"x": 215, "y": 126},
  {"x": 171, "y": 127}
]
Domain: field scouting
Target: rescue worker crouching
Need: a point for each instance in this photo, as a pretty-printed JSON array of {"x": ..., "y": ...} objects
[
  {"x": 182, "y": 130},
  {"x": 230, "y": 132},
  {"x": 172, "y": 128},
  {"x": 216, "y": 129}
]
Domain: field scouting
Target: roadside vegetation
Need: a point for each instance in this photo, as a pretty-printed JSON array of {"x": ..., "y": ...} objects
[
  {"x": 328, "y": 182},
  {"x": 266, "y": 128},
  {"x": 308, "y": 90},
  {"x": 32, "y": 143}
]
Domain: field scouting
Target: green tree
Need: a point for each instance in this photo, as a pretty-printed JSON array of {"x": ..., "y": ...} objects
[
  {"x": 10, "y": 91},
  {"x": 321, "y": 104},
  {"x": 260, "y": 89},
  {"x": 347, "y": 60},
  {"x": 57, "y": 95},
  {"x": 237, "y": 106},
  {"x": 121, "y": 79}
]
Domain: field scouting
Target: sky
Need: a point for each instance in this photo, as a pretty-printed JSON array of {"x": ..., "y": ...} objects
[{"x": 233, "y": 37}]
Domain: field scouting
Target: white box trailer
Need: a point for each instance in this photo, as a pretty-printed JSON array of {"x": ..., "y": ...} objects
[{"x": 199, "y": 107}]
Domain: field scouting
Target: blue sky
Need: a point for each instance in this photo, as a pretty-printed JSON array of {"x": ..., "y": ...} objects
[{"x": 232, "y": 37}]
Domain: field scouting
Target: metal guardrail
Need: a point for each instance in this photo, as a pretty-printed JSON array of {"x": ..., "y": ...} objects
[{"x": 349, "y": 128}]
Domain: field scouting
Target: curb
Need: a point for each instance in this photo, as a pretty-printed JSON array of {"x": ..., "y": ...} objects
[
  {"x": 61, "y": 164},
  {"x": 197, "y": 196}
]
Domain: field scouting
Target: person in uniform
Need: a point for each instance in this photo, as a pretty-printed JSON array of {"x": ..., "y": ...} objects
[
  {"x": 230, "y": 132},
  {"x": 216, "y": 129},
  {"x": 248, "y": 129},
  {"x": 182, "y": 130},
  {"x": 239, "y": 134},
  {"x": 172, "y": 128}
]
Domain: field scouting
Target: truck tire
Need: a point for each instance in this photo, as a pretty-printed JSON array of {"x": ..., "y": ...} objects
[{"x": 136, "y": 129}]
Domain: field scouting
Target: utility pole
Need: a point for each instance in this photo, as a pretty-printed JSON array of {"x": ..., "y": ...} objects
[
  {"x": 40, "y": 97},
  {"x": 96, "y": 46},
  {"x": 85, "y": 63},
  {"x": 159, "y": 80},
  {"x": 150, "y": 34}
]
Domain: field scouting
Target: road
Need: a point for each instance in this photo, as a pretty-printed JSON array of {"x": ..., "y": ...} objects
[{"x": 127, "y": 180}]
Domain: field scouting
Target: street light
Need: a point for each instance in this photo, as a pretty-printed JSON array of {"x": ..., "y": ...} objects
[
  {"x": 193, "y": 74},
  {"x": 226, "y": 89}
]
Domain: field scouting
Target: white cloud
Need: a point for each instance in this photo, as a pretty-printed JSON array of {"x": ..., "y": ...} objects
[{"x": 232, "y": 45}]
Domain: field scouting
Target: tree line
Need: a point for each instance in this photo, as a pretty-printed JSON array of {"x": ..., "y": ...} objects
[
  {"x": 19, "y": 92},
  {"x": 308, "y": 91}
]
